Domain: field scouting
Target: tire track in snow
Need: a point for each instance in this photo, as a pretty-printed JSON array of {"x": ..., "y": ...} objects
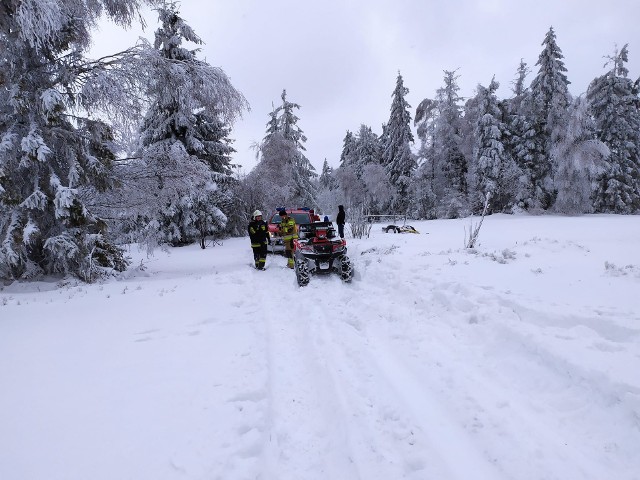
[
  {"x": 403, "y": 428},
  {"x": 411, "y": 385},
  {"x": 494, "y": 382},
  {"x": 387, "y": 430},
  {"x": 449, "y": 314},
  {"x": 305, "y": 434}
]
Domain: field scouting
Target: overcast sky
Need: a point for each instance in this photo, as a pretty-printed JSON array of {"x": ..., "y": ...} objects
[{"x": 339, "y": 59}]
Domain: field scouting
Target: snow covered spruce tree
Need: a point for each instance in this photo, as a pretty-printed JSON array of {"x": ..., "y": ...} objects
[
  {"x": 52, "y": 153},
  {"x": 363, "y": 181},
  {"x": 581, "y": 158},
  {"x": 550, "y": 100},
  {"x": 448, "y": 154},
  {"x": 348, "y": 175},
  {"x": 615, "y": 106},
  {"x": 397, "y": 157},
  {"x": 185, "y": 146},
  {"x": 348, "y": 153},
  {"x": 302, "y": 171},
  {"x": 284, "y": 175},
  {"x": 496, "y": 172},
  {"x": 440, "y": 186},
  {"x": 423, "y": 196},
  {"x": 372, "y": 174},
  {"x": 327, "y": 180},
  {"x": 327, "y": 189},
  {"x": 520, "y": 143}
]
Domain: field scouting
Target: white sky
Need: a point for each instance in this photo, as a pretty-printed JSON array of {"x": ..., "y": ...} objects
[{"x": 339, "y": 59}]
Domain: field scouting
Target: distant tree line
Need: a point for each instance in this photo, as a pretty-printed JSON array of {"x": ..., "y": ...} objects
[
  {"x": 136, "y": 147},
  {"x": 539, "y": 150}
]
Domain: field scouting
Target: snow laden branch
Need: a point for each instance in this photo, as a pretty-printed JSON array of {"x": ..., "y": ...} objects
[
  {"x": 41, "y": 23},
  {"x": 194, "y": 83}
]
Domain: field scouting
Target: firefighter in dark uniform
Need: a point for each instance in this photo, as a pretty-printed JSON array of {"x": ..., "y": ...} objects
[
  {"x": 289, "y": 232},
  {"x": 259, "y": 235}
]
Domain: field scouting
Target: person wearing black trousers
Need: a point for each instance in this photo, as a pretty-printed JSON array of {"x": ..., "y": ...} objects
[
  {"x": 259, "y": 235},
  {"x": 340, "y": 220}
]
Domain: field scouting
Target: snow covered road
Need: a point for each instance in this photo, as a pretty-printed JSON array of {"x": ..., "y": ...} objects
[{"x": 518, "y": 360}]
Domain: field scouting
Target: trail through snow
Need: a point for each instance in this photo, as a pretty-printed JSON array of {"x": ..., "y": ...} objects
[{"x": 517, "y": 360}]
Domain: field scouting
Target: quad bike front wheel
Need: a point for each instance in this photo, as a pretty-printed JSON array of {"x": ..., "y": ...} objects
[{"x": 302, "y": 272}]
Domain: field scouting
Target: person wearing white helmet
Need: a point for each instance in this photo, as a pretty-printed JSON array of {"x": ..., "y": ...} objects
[{"x": 259, "y": 235}]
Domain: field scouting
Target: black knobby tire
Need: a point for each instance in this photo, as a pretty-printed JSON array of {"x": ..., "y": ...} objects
[
  {"x": 346, "y": 269},
  {"x": 302, "y": 272}
]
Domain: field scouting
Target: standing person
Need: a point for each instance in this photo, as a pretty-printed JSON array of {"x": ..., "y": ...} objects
[
  {"x": 259, "y": 235},
  {"x": 340, "y": 220},
  {"x": 289, "y": 232}
]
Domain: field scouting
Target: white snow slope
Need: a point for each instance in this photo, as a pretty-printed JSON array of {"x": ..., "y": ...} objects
[{"x": 517, "y": 360}]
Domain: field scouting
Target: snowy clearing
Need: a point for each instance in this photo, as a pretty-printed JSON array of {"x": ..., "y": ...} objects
[{"x": 517, "y": 360}]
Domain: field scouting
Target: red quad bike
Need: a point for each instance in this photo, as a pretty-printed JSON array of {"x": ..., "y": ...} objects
[{"x": 318, "y": 250}]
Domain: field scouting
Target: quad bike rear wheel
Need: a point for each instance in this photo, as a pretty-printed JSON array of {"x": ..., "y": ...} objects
[{"x": 346, "y": 269}]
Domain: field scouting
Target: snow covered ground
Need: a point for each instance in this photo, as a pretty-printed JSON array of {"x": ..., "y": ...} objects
[{"x": 518, "y": 360}]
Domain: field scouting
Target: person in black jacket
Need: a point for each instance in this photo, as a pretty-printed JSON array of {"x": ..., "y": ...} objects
[
  {"x": 340, "y": 220},
  {"x": 259, "y": 235}
]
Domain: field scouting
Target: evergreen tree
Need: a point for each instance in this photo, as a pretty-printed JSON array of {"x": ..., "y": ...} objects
[
  {"x": 423, "y": 185},
  {"x": 348, "y": 154},
  {"x": 615, "y": 106},
  {"x": 520, "y": 143},
  {"x": 53, "y": 157},
  {"x": 303, "y": 175},
  {"x": 303, "y": 172},
  {"x": 185, "y": 137},
  {"x": 496, "y": 171},
  {"x": 519, "y": 87},
  {"x": 397, "y": 157},
  {"x": 272, "y": 124},
  {"x": 327, "y": 191},
  {"x": 425, "y": 119},
  {"x": 581, "y": 159},
  {"x": 363, "y": 181},
  {"x": 451, "y": 166},
  {"x": 270, "y": 181},
  {"x": 284, "y": 175},
  {"x": 444, "y": 170},
  {"x": 350, "y": 184},
  {"x": 327, "y": 181},
  {"x": 288, "y": 123},
  {"x": 550, "y": 99},
  {"x": 368, "y": 149},
  {"x": 360, "y": 150},
  {"x": 448, "y": 136}
]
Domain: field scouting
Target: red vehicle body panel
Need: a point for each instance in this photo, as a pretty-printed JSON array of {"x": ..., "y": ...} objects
[{"x": 300, "y": 215}]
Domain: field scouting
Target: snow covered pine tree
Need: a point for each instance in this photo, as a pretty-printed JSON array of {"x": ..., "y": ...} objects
[
  {"x": 185, "y": 145},
  {"x": 52, "y": 155}
]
